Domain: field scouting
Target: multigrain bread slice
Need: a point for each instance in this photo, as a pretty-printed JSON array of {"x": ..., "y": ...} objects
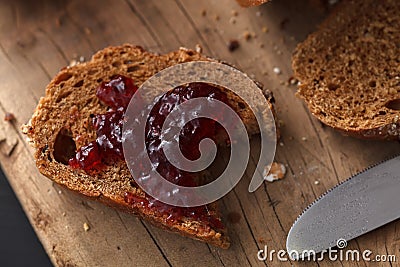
[
  {"x": 62, "y": 124},
  {"x": 349, "y": 69}
]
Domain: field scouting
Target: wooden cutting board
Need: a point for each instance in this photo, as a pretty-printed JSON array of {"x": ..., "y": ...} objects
[{"x": 37, "y": 38}]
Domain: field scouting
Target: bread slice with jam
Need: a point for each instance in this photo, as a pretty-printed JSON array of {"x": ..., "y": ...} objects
[{"x": 75, "y": 127}]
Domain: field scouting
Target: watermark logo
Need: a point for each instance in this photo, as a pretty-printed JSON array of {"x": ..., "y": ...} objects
[
  {"x": 341, "y": 243},
  {"x": 142, "y": 103},
  {"x": 332, "y": 254}
]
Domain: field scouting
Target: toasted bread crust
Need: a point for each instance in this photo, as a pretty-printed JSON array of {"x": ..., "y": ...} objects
[
  {"x": 65, "y": 110},
  {"x": 349, "y": 69}
]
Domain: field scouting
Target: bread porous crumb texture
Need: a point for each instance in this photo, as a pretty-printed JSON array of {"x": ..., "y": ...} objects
[
  {"x": 61, "y": 124},
  {"x": 349, "y": 69}
]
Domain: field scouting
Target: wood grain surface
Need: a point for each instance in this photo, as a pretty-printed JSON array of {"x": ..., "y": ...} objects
[{"x": 37, "y": 38}]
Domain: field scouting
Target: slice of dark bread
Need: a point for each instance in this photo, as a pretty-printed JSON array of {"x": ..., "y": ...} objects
[
  {"x": 349, "y": 69},
  {"x": 61, "y": 124}
]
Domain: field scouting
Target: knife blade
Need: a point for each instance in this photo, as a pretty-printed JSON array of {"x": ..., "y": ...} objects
[{"x": 356, "y": 206}]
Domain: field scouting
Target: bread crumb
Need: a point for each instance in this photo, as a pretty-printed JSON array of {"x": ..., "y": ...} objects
[
  {"x": 281, "y": 144},
  {"x": 233, "y": 45},
  {"x": 234, "y": 13},
  {"x": 258, "y": 14},
  {"x": 247, "y": 35},
  {"x": 26, "y": 129},
  {"x": 216, "y": 17},
  {"x": 10, "y": 117},
  {"x": 304, "y": 138},
  {"x": 277, "y": 70},
  {"x": 87, "y": 31},
  {"x": 316, "y": 182},
  {"x": 264, "y": 29},
  {"x": 232, "y": 20},
  {"x": 293, "y": 81},
  {"x": 276, "y": 171},
  {"x": 73, "y": 63},
  {"x": 86, "y": 227},
  {"x": 198, "y": 48},
  {"x": 64, "y": 214}
]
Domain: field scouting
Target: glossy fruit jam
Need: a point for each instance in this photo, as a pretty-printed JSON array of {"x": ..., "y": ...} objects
[
  {"x": 107, "y": 148},
  {"x": 191, "y": 134}
]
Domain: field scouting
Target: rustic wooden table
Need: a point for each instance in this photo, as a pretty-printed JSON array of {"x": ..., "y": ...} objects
[{"x": 37, "y": 38}]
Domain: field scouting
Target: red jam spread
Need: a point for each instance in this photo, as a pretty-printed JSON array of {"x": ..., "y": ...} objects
[
  {"x": 191, "y": 134},
  {"x": 107, "y": 148}
]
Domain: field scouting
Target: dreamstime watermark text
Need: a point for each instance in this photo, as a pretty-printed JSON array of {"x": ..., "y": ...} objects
[{"x": 339, "y": 253}]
